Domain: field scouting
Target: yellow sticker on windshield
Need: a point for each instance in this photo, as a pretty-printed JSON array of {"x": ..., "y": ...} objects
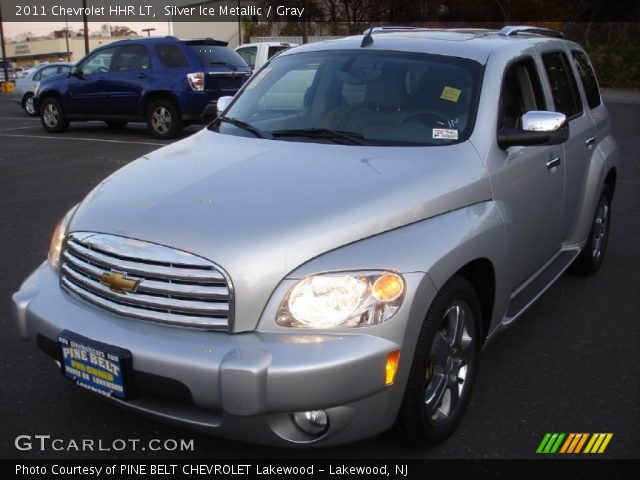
[{"x": 451, "y": 94}]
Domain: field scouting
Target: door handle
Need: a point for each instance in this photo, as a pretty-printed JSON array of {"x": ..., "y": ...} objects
[
  {"x": 590, "y": 141},
  {"x": 553, "y": 162},
  {"x": 142, "y": 75}
]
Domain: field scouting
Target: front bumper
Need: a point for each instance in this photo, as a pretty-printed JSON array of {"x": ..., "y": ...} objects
[{"x": 243, "y": 386}]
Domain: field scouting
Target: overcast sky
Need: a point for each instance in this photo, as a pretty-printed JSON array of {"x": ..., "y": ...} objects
[{"x": 11, "y": 29}]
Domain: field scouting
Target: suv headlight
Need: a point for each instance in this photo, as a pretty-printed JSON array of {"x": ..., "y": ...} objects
[
  {"x": 345, "y": 299},
  {"x": 60, "y": 232}
]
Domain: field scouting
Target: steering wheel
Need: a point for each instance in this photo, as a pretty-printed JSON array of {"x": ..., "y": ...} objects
[
  {"x": 427, "y": 115},
  {"x": 102, "y": 69}
]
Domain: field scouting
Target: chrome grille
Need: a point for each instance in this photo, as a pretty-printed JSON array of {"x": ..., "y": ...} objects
[{"x": 171, "y": 286}]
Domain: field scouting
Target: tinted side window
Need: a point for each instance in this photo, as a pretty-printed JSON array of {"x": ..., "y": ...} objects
[
  {"x": 98, "y": 62},
  {"x": 171, "y": 56},
  {"x": 64, "y": 69},
  {"x": 131, "y": 57},
  {"x": 521, "y": 92},
  {"x": 563, "y": 84},
  {"x": 273, "y": 50},
  {"x": 587, "y": 77}
]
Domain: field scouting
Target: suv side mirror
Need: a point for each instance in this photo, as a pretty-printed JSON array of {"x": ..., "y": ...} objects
[
  {"x": 223, "y": 103},
  {"x": 538, "y": 128}
]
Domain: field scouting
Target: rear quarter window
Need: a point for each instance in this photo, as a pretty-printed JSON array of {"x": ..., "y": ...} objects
[
  {"x": 273, "y": 50},
  {"x": 171, "y": 56},
  {"x": 587, "y": 77}
]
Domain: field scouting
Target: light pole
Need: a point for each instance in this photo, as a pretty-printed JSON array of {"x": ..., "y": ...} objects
[
  {"x": 86, "y": 26},
  {"x": 148, "y": 30},
  {"x": 66, "y": 36},
  {"x": 4, "y": 51}
]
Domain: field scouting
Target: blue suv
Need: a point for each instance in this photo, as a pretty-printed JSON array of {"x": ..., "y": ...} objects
[{"x": 165, "y": 82}]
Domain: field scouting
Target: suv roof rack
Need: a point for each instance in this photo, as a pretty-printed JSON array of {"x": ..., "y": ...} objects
[
  {"x": 518, "y": 29},
  {"x": 392, "y": 28}
]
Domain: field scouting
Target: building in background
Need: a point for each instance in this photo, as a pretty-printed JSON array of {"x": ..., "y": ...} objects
[
  {"x": 42, "y": 49},
  {"x": 224, "y": 31}
]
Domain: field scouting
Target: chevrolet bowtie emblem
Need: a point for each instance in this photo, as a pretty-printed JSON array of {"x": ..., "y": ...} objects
[{"x": 118, "y": 282}]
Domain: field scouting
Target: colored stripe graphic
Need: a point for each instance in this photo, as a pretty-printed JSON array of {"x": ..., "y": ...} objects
[
  {"x": 543, "y": 443},
  {"x": 573, "y": 443},
  {"x": 550, "y": 443},
  {"x": 598, "y": 442}
]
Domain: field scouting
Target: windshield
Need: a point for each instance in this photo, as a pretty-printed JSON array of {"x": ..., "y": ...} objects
[{"x": 359, "y": 97}]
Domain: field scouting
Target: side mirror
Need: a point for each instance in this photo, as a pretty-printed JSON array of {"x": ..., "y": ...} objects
[
  {"x": 538, "y": 128},
  {"x": 223, "y": 103},
  {"x": 76, "y": 72}
]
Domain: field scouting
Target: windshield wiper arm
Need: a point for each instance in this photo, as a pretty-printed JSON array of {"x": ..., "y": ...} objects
[
  {"x": 353, "y": 137},
  {"x": 245, "y": 126}
]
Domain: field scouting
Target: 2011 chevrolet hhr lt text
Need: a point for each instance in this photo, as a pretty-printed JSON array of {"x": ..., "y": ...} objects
[{"x": 326, "y": 260}]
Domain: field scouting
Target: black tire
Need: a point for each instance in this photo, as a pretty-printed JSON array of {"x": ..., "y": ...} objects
[
  {"x": 164, "y": 119},
  {"x": 116, "y": 124},
  {"x": 27, "y": 104},
  {"x": 53, "y": 116},
  {"x": 440, "y": 381},
  {"x": 592, "y": 255}
]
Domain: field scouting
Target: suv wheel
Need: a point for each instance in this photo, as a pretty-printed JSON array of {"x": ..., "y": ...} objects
[
  {"x": 115, "y": 124},
  {"x": 29, "y": 107},
  {"x": 444, "y": 366},
  {"x": 53, "y": 118},
  {"x": 163, "y": 119},
  {"x": 590, "y": 259}
]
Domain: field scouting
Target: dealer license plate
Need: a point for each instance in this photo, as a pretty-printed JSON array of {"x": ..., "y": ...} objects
[{"x": 95, "y": 366}]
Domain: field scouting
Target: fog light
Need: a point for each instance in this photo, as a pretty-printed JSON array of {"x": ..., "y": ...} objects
[{"x": 313, "y": 422}]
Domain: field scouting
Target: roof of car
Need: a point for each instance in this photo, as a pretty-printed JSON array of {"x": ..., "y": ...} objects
[
  {"x": 168, "y": 38},
  {"x": 475, "y": 44}
]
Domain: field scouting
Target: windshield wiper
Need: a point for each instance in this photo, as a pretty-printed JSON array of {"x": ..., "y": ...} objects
[
  {"x": 245, "y": 126},
  {"x": 226, "y": 64},
  {"x": 353, "y": 137}
]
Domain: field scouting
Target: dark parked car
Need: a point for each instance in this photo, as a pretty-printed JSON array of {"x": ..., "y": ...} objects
[{"x": 165, "y": 82}]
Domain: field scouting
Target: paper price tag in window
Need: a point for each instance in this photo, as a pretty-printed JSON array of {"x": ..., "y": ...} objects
[{"x": 445, "y": 133}]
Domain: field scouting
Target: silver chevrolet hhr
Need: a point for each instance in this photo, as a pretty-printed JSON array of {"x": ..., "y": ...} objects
[{"x": 326, "y": 260}]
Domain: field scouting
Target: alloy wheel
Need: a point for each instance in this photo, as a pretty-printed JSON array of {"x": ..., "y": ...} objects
[
  {"x": 600, "y": 228},
  {"x": 451, "y": 356},
  {"x": 51, "y": 115},
  {"x": 161, "y": 120}
]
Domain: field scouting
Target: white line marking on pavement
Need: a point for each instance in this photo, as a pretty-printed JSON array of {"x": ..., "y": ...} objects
[
  {"x": 17, "y": 128},
  {"x": 20, "y": 118},
  {"x": 81, "y": 139}
]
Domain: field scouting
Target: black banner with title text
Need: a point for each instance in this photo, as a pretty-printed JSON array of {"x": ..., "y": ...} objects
[{"x": 350, "y": 11}]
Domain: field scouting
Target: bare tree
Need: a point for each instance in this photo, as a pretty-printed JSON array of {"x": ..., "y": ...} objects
[{"x": 122, "y": 31}]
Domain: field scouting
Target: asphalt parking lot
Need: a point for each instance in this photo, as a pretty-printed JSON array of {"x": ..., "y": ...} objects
[{"x": 571, "y": 364}]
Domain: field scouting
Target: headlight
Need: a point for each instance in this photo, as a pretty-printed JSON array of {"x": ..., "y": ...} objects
[
  {"x": 59, "y": 233},
  {"x": 348, "y": 299}
]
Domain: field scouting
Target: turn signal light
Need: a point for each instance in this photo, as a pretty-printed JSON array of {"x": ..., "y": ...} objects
[
  {"x": 388, "y": 287},
  {"x": 391, "y": 367}
]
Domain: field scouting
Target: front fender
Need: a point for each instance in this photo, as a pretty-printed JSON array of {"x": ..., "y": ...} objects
[{"x": 427, "y": 253}]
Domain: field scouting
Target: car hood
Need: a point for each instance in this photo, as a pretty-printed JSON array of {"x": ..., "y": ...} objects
[{"x": 261, "y": 208}]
